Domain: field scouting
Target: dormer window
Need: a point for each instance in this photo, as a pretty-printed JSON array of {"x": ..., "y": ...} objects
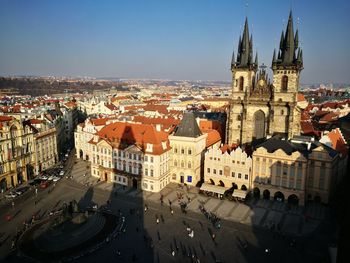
[{"x": 149, "y": 147}]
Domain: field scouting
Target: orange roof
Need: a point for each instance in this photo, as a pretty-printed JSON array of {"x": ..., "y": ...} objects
[
  {"x": 338, "y": 141},
  {"x": 99, "y": 122},
  {"x": 70, "y": 104},
  {"x": 228, "y": 148},
  {"x": 213, "y": 137},
  {"x": 300, "y": 97},
  {"x": 211, "y": 125},
  {"x": 5, "y": 118},
  {"x": 165, "y": 122},
  {"x": 122, "y": 134},
  {"x": 35, "y": 121},
  {"x": 111, "y": 106}
]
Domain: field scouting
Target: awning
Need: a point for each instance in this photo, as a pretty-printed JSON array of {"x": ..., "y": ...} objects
[
  {"x": 239, "y": 193},
  {"x": 213, "y": 188}
]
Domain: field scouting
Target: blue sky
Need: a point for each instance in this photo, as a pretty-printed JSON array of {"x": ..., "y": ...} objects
[{"x": 168, "y": 39}]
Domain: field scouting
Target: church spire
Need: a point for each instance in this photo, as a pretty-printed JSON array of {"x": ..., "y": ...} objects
[
  {"x": 256, "y": 59},
  {"x": 233, "y": 62},
  {"x": 289, "y": 44},
  {"x": 245, "y": 48}
]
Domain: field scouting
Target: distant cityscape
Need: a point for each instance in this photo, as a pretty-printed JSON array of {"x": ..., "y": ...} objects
[{"x": 157, "y": 170}]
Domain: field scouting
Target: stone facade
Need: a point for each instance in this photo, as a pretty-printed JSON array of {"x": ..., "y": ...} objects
[{"x": 259, "y": 108}]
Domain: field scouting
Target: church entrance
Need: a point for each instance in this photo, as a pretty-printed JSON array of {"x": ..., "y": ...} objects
[{"x": 258, "y": 125}]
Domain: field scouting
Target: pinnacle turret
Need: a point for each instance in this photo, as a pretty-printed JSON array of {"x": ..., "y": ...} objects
[{"x": 289, "y": 44}]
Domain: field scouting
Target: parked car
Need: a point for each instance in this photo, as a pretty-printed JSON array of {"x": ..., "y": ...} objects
[
  {"x": 36, "y": 181},
  {"x": 56, "y": 178},
  {"x": 44, "y": 177},
  {"x": 61, "y": 173},
  {"x": 11, "y": 195},
  {"x": 50, "y": 178},
  {"x": 21, "y": 190}
]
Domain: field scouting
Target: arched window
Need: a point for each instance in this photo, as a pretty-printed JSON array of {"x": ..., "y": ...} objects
[
  {"x": 282, "y": 112},
  {"x": 284, "y": 86},
  {"x": 241, "y": 83},
  {"x": 189, "y": 165}
]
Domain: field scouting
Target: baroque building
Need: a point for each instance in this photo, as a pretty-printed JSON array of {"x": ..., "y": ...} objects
[{"x": 258, "y": 107}]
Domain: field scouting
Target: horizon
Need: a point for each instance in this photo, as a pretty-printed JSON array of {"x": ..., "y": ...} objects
[{"x": 174, "y": 41}]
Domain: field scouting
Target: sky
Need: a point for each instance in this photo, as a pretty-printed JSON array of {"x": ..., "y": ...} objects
[{"x": 167, "y": 39}]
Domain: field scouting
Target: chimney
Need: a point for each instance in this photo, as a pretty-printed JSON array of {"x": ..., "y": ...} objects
[{"x": 158, "y": 127}]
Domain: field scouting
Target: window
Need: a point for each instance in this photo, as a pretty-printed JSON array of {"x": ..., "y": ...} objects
[
  {"x": 175, "y": 163},
  {"x": 233, "y": 174},
  {"x": 239, "y": 176},
  {"x": 241, "y": 83},
  {"x": 182, "y": 151},
  {"x": 189, "y": 165},
  {"x": 214, "y": 171},
  {"x": 175, "y": 150},
  {"x": 151, "y": 172},
  {"x": 146, "y": 158},
  {"x": 208, "y": 170},
  {"x": 146, "y": 171},
  {"x": 220, "y": 172},
  {"x": 151, "y": 159},
  {"x": 284, "y": 83},
  {"x": 189, "y": 179},
  {"x": 189, "y": 151},
  {"x": 246, "y": 176}
]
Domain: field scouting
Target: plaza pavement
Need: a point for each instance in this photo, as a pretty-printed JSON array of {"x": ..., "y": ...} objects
[{"x": 296, "y": 221}]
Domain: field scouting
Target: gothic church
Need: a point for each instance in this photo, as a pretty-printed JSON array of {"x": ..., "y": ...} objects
[{"x": 258, "y": 107}]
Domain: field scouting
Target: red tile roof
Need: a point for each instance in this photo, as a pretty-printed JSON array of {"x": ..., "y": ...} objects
[
  {"x": 338, "y": 141},
  {"x": 122, "y": 134},
  {"x": 99, "y": 122},
  {"x": 300, "y": 97},
  {"x": 213, "y": 137},
  {"x": 166, "y": 123}
]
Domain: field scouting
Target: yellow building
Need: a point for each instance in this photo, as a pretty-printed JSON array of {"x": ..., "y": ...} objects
[
  {"x": 16, "y": 152},
  {"x": 188, "y": 145}
]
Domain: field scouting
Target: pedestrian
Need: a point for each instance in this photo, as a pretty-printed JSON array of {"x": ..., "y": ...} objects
[
  {"x": 169, "y": 202},
  {"x": 13, "y": 204},
  {"x": 157, "y": 220},
  {"x": 173, "y": 253},
  {"x": 146, "y": 207},
  {"x": 172, "y": 212}
]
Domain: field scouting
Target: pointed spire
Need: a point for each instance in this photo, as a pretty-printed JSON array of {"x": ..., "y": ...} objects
[
  {"x": 282, "y": 40},
  {"x": 256, "y": 59},
  {"x": 233, "y": 59},
  {"x": 296, "y": 39},
  {"x": 274, "y": 56},
  {"x": 245, "y": 48}
]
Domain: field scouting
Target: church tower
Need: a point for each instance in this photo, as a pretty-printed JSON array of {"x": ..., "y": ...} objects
[
  {"x": 243, "y": 76},
  {"x": 286, "y": 69},
  {"x": 259, "y": 108}
]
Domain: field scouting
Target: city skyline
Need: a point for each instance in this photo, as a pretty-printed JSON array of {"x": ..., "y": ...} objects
[{"x": 157, "y": 40}]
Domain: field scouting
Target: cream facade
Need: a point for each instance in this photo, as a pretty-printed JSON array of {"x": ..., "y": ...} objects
[
  {"x": 229, "y": 169},
  {"x": 187, "y": 158},
  {"x": 131, "y": 164},
  {"x": 310, "y": 172},
  {"x": 45, "y": 149}
]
